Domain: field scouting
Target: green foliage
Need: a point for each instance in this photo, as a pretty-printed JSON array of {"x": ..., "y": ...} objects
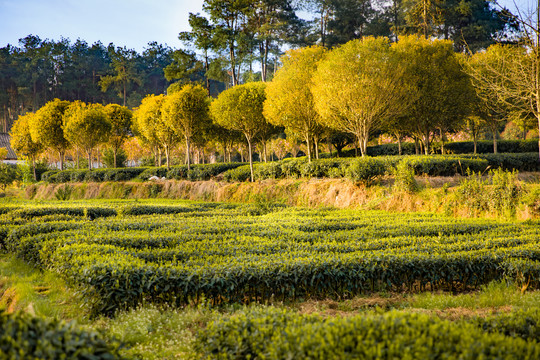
[
  {"x": 95, "y": 175},
  {"x": 359, "y": 85},
  {"x": 289, "y": 98},
  {"x": 404, "y": 178},
  {"x": 241, "y": 173},
  {"x": 280, "y": 334},
  {"x": 436, "y": 165},
  {"x": 27, "y": 173},
  {"x": 108, "y": 158},
  {"x": 240, "y": 108},
  {"x": 521, "y": 323},
  {"x": 46, "y": 127},
  {"x": 63, "y": 193},
  {"x": 231, "y": 254},
  {"x": 8, "y": 174},
  {"x": 26, "y": 337},
  {"x": 486, "y": 146},
  {"x": 498, "y": 193},
  {"x": 366, "y": 170}
]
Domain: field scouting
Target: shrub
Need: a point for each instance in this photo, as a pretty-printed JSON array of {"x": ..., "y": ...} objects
[
  {"x": 26, "y": 337},
  {"x": 404, "y": 178},
  {"x": 520, "y": 162},
  {"x": 240, "y": 174},
  {"x": 108, "y": 158},
  {"x": 499, "y": 193},
  {"x": 505, "y": 191},
  {"x": 149, "y": 172},
  {"x": 391, "y": 149},
  {"x": 486, "y": 146},
  {"x": 279, "y": 334},
  {"x": 365, "y": 169},
  {"x": 8, "y": 174},
  {"x": 439, "y": 165},
  {"x": 63, "y": 192}
]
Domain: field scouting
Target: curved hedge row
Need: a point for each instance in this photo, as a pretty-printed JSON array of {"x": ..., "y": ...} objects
[
  {"x": 26, "y": 337},
  {"x": 225, "y": 256},
  {"x": 280, "y": 334}
]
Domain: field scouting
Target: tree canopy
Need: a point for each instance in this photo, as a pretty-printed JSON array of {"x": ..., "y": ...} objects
[
  {"x": 240, "y": 108},
  {"x": 357, "y": 86},
  {"x": 186, "y": 112},
  {"x": 289, "y": 100}
]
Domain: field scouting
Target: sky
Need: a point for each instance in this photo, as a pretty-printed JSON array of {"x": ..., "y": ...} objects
[{"x": 130, "y": 23}]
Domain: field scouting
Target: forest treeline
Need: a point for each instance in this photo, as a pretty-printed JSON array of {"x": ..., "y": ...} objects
[
  {"x": 414, "y": 88},
  {"x": 230, "y": 43}
]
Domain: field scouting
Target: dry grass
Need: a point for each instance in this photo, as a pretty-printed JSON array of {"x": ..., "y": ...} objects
[{"x": 436, "y": 194}]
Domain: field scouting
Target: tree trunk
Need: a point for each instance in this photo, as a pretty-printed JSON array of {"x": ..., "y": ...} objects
[
  {"x": 188, "y": 157},
  {"x": 167, "y": 156},
  {"x": 89, "y": 152},
  {"x": 114, "y": 156},
  {"x": 316, "y": 143},
  {"x": 78, "y": 167},
  {"x": 233, "y": 65},
  {"x": 206, "y": 67},
  {"x": 329, "y": 144},
  {"x": 494, "y": 132},
  {"x": 425, "y": 141},
  {"x": 475, "y": 141},
  {"x": 250, "y": 158},
  {"x": 416, "y": 147},
  {"x": 537, "y": 83},
  {"x": 308, "y": 146},
  {"x": 34, "y": 167},
  {"x": 264, "y": 65},
  {"x": 61, "y": 153},
  {"x": 400, "y": 149}
]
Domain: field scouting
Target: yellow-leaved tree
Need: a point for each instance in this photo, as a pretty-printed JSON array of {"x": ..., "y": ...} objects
[
  {"x": 152, "y": 126},
  {"x": 289, "y": 101},
  {"x": 21, "y": 140},
  {"x": 240, "y": 108},
  {"x": 86, "y": 126},
  {"x": 145, "y": 121},
  {"x": 186, "y": 112},
  {"x": 357, "y": 86},
  {"x": 120, "y": 118},
  {"x": 438, "y": 91},
  {"x": 46, "y": 127}
]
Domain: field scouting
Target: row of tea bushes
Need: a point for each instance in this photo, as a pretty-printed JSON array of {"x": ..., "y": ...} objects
[
  {"x": 279, "y": 334},
  {"x": 458, "y": 147},
  {"x": 357, "y": 169},
  {"x": 197, "y": 172},
  {"x": 25, "y": 337},
  {"x": 224, "y": 255}
]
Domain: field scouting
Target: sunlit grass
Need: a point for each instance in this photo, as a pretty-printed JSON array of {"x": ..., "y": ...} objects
[
  {"x": 158, "y": 332},
  {"x": 23, "y": 288},
  {"x": 493, "y": 295}
]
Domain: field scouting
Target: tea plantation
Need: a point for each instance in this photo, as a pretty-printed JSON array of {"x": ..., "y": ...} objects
[{"x": 121, "y": 254}]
